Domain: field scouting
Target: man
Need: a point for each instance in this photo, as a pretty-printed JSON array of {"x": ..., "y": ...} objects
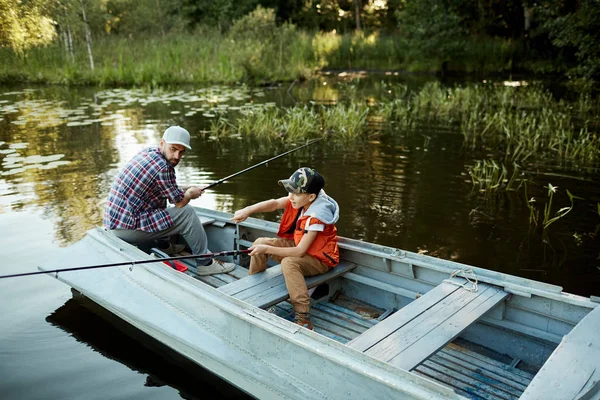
[{"x": 136, "y": 209}]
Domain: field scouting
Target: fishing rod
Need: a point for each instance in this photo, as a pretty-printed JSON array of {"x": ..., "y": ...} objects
[
  {"x": 132, "y": 263},
  {"x": 260, "y": 163}
]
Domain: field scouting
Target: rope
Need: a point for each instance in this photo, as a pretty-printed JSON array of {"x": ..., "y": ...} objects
[{"x": 469, "y": 276}]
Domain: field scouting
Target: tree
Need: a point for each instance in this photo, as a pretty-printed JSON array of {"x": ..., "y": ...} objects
[
  {"x": 88, "y": 34},
  {"x": 575, "y": 28},
  {"x": 25, "y": 24},
  {"x": 145, "y": 17},
  {"x": 433, "y": 29}
]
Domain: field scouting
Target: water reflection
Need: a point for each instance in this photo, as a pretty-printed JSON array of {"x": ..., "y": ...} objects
[
  {"x": 61, "y": 147},
  {"x": 116, "y": 340}
]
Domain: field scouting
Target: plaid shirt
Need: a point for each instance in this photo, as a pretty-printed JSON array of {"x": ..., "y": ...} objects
[{"x": 138, "y": 196}]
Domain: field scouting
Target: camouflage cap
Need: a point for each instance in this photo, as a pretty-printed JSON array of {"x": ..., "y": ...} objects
[{"x": 304, "y": 180}]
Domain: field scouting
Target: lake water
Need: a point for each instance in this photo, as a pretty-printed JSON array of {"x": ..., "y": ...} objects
[{"x": 61, "y": 147}]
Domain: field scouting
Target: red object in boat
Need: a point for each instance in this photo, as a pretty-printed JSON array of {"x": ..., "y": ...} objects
[{"x": 179, "y": 266}]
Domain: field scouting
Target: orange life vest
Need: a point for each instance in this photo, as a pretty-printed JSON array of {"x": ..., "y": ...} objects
[{"x": 324, "y": 248}]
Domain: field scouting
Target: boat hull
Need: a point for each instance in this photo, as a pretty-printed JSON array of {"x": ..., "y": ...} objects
[
  {"x": 258, "y": 352},
  {"x": 270, "y": 357}
]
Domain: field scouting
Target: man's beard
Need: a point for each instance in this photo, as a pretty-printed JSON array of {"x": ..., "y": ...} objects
[{"x": 170, "y": 161}]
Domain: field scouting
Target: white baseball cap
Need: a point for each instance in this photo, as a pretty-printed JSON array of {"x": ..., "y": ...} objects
[{"x": 177, "y": 135}]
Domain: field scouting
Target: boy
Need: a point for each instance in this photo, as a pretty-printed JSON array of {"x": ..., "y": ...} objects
[{"x": 307, "y": 237}]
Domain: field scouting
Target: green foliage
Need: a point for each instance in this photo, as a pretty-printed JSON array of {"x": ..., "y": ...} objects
[
  {"x": 276, "y": 38},
  {"x": 141, "y": 17},
  {"x": 576, "y": 32},
  {"x": 518, "y": 123},
  {"x": 259, "y": 24},
  {"x": 433, "y": 30},
  {"x": 548, "y": 216},
  {"x": 216, "y": 13},
  {"x": 267, "y": 51},
  {"x": 346, "y": 123},
  {"x": 25, "y": 24},
  {"x": 490, "y": 175}
]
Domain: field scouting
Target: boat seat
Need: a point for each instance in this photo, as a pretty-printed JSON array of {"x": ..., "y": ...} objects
[
  {"x": 417, "y": 331},
  {"x": 268, "y": 288},
  {"x": 571, "y": 370}
]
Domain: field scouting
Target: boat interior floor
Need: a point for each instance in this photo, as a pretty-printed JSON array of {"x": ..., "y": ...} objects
[{"x": 471, "y": 371}]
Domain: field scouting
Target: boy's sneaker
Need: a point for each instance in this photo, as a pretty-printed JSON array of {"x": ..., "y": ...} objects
[
  {"x": 303, "y": 320},
  {"x": 216, "y": 267}
]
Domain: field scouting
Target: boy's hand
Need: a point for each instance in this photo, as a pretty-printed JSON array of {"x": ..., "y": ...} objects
[
  {"x": 259, "y": 249},
  {"x": 240, "y": 216}
]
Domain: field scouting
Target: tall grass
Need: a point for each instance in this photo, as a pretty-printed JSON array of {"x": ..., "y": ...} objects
[
  {"x": 490, "y": 175},
  {"x": 208, "y": 55},
  {"x": 345, "y": 123},
  {"x": 161, "y": 61},
  {"x": 548, "y": 216},
  {"x": 518, "y": 122}
]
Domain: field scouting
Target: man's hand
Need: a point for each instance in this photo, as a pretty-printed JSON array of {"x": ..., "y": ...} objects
[
  {"x": 240, "y": 215},
  {"x": 193, "y": 192}
]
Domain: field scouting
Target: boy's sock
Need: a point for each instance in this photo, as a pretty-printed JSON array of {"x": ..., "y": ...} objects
[{"x": 303, "y": 320}]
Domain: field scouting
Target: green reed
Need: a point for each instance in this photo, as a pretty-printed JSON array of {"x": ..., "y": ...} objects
[
  {"x": 345, "y": 123},
  {"x": 490, "y": 175},
  {"x": 521, "y": 122},
  {"x": 534, "y": 213},
  {"x": 220, "y": 127},
  {"x": 548, "y": 216}
]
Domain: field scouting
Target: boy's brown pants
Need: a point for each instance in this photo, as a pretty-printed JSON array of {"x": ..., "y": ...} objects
[{"x": 294, "y": 270}]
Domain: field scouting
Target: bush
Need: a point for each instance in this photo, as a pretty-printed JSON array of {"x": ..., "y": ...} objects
[{"x": 259, "y": 24}]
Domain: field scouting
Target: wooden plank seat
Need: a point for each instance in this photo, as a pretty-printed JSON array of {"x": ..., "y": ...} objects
[
  {"x": 268, "y": 288},
  {"x": 420, "y": 329},
  {"x": 571, "y": 372}
]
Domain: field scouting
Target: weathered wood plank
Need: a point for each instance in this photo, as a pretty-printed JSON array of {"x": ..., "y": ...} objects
[
  {"x": 465, "y": 389},
  {"x": 571, "y": 370},
  {"x": 336, "y": 320},
  {"x": 420, "y": 329},
  {"x": 268, "y": 288},
  {"x": 273, "y": 294},
  {"x": 492, "y": 365},
  {"x": 448, "y": 329},
  {"x": 344, "y": 313},
  {"x": 499, "y": 374},
  {"x": 423, "y": 325},
  {"x": 251, "y": 280},
  {"x": 464, "y": 373},
  {"x": 402, "y": 317},
  {"x": 321, "y": 321}
]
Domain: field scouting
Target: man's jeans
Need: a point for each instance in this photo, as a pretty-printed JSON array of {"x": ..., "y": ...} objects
[{"x": 185, "y": 223}]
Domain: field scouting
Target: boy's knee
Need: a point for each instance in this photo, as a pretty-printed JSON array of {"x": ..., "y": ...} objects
[
  {"x": 289, "y": 264},
  {"x": 261, "y": 240}
]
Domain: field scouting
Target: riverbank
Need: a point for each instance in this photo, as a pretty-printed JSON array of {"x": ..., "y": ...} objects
[{"x": 213, "y": 57}]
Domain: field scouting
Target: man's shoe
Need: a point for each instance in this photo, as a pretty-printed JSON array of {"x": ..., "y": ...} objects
[
  {"x": 216, "y": 267},
  {"x": 303, "y": 320},
  {"x": 173, "y": 249}
]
